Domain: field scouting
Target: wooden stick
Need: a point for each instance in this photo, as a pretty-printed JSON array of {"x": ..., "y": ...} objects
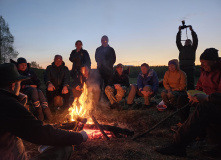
[
  {"x": 100, "y": 128},
  {"x": 159, "y": 123}
]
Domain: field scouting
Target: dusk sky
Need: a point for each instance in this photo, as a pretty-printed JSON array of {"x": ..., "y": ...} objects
[{"x": 139, "y": 30}]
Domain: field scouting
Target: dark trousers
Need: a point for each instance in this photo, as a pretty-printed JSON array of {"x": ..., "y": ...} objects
[
  {"x": 35, "y": 95},
  {"x": 181, "y": 102},
  {"x": 51, "y": 94},
  {"x": 190, "y": 78},
  {"x": 205, "y": 117}
]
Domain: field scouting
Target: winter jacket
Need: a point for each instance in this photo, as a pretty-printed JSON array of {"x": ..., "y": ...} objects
[
  {"x": 210, "y": 82},
  {"x": 176, "y": 81},
  {"x": 105, "y": 58},
  {"x": 58, "y": 76},
  {"x": 187, "y": 54},
  {"x": 78, "y": 59},
  {"x": 32, "y": 81},
  {"x": 123, "y": 79},
  {"x": 17, "y": 121},
  {"x": 148, "y": 79}
]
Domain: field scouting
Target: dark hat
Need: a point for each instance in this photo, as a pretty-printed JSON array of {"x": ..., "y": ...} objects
[
  {"x": 210, "y": 54},
  {"x": 172, "y": 62},
  {"x": 21, "y": 60},
  {"x": 9, "y": 74},
  {"x": 119, "y": 65}
]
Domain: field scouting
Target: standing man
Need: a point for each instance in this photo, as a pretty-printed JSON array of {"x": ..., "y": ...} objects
[
  {"x": 57, "y": 81},
  {"x": 147, "y": 86},
  {"x": 187, "y": 56},
  {"x": 18, "y": 123},
  {"x": 105, "y": 58}
]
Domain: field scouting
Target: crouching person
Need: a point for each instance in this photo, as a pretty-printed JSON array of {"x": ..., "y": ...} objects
[
  {"x": 92, "y": 79},
  {"x": 147, "y": 86},
  {"x": 174, "y": 82},
  {"x": 30, "y": 87},
  {"x": 57, "y": 81},
  {"x": 18, "y": 123},
  {"x": 117, "y": 86}
]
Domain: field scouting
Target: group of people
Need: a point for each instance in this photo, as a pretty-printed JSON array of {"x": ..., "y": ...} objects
[{"x": 18, "y": 79}]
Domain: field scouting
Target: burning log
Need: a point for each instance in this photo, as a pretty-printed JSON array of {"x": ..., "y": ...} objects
[
  {"x": 99, "y": 127},
  {"x": 117, "y": 131}
]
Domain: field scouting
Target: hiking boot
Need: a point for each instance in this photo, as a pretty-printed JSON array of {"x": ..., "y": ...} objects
[
  {"x": 176, "y": 127},
  {"x": 40, "y": 114},
  {"x": 145, "y": 106},
  {"x": 114, "y": 105},
  {"x": 47, "y": 113},
  {"x": 171, "y": 149}
]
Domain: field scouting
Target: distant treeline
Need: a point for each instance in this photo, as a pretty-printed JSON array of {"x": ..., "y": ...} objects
[{"x": 134, "y": 71}]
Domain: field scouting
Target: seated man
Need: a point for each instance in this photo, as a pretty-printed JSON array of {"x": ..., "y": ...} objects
[
  {"x": 209, "y": 81},
  {"x": 117, "y": 86},
  {"x": 18, "y": 123},
  {"x": 174, "y": 82},
  {"x": 206, "y": 116},
  {"x": 31, "y": 87},
  {"x": 57, "y": 81},
  {"x": 92, "y": 79},
  {"x": 147, "y": 85}
]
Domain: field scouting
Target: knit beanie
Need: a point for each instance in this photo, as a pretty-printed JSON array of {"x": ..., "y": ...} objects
[
  {"x": 21, "y": 60},
  {"x": 172, "y": 62},
  {"x": 210, "y": 54}
]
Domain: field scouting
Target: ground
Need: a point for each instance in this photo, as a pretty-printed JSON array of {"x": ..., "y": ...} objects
[{"x": 125, "y": 148}]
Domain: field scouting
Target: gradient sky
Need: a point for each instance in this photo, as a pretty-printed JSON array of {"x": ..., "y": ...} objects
[{"x": 139, "y": 30}]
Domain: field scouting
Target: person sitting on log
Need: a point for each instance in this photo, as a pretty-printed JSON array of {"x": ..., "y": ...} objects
[
  {"x": 18, "y": 123},
  {"x": 92, "y": 79},
  {"x": 147, "y": 86},
  {"x": 117, "y": 86},
  {"x": 57, "y": 78},
  {"x": 174, "y": 82},
  {"x": 206, "y": 116},
  {"x": 31, "y": 88}
]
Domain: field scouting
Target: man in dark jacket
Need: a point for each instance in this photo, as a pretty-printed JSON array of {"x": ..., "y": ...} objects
[
  {"x": 79, "y": 57},
  {"x": 206, "y": 116},
  {"x": 105, "y": 58},
  {"x": 31, "y": 88},
  {"x": 91, "y": 78},
  {"x": 147, "y": 85},
  {"x": 17, "y": 122},
  {"x": 187, "y": 56},
  {"x": 57, "y": 81},
  {"x": 117, "y": 86}
]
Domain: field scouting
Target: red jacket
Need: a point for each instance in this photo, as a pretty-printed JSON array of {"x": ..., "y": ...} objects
[{"x": 210, "y": 82}]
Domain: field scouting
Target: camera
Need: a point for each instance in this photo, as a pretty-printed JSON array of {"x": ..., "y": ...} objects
[{"x": 183, "y": 25}]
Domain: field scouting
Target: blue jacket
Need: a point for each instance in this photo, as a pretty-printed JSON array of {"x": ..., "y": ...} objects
[{"x": 148, "y": 79}]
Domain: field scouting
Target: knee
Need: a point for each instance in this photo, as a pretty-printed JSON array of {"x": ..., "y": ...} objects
[
  {"x": 108, "y": 89},
  {"x": 147, "y": 88}
]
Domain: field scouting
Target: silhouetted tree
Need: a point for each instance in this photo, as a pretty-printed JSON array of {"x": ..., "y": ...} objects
[
  {"x": 34, "y": 64},
  {"x": 7, "y": 51}
]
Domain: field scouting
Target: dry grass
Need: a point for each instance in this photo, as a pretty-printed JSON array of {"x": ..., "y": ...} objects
[{"x": 125, "y": 148}]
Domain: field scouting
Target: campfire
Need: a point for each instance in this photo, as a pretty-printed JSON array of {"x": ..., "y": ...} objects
[{"x": 80, "y": 117}]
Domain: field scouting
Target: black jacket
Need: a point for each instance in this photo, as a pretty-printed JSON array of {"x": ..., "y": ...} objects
[
  {"x": 17, "y": 121},
  {"x": 123, "y": 80},
  {"x": 33, "y": 78},
  {"x": 78, "y": 59},
  {"x": 58, "y": 76},
  {"x": 187, "y": 55},
  {"x": 105, "y": 58}
]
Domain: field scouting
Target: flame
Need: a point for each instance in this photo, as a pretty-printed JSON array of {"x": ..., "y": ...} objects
[{"x": 79, "y": 106}]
